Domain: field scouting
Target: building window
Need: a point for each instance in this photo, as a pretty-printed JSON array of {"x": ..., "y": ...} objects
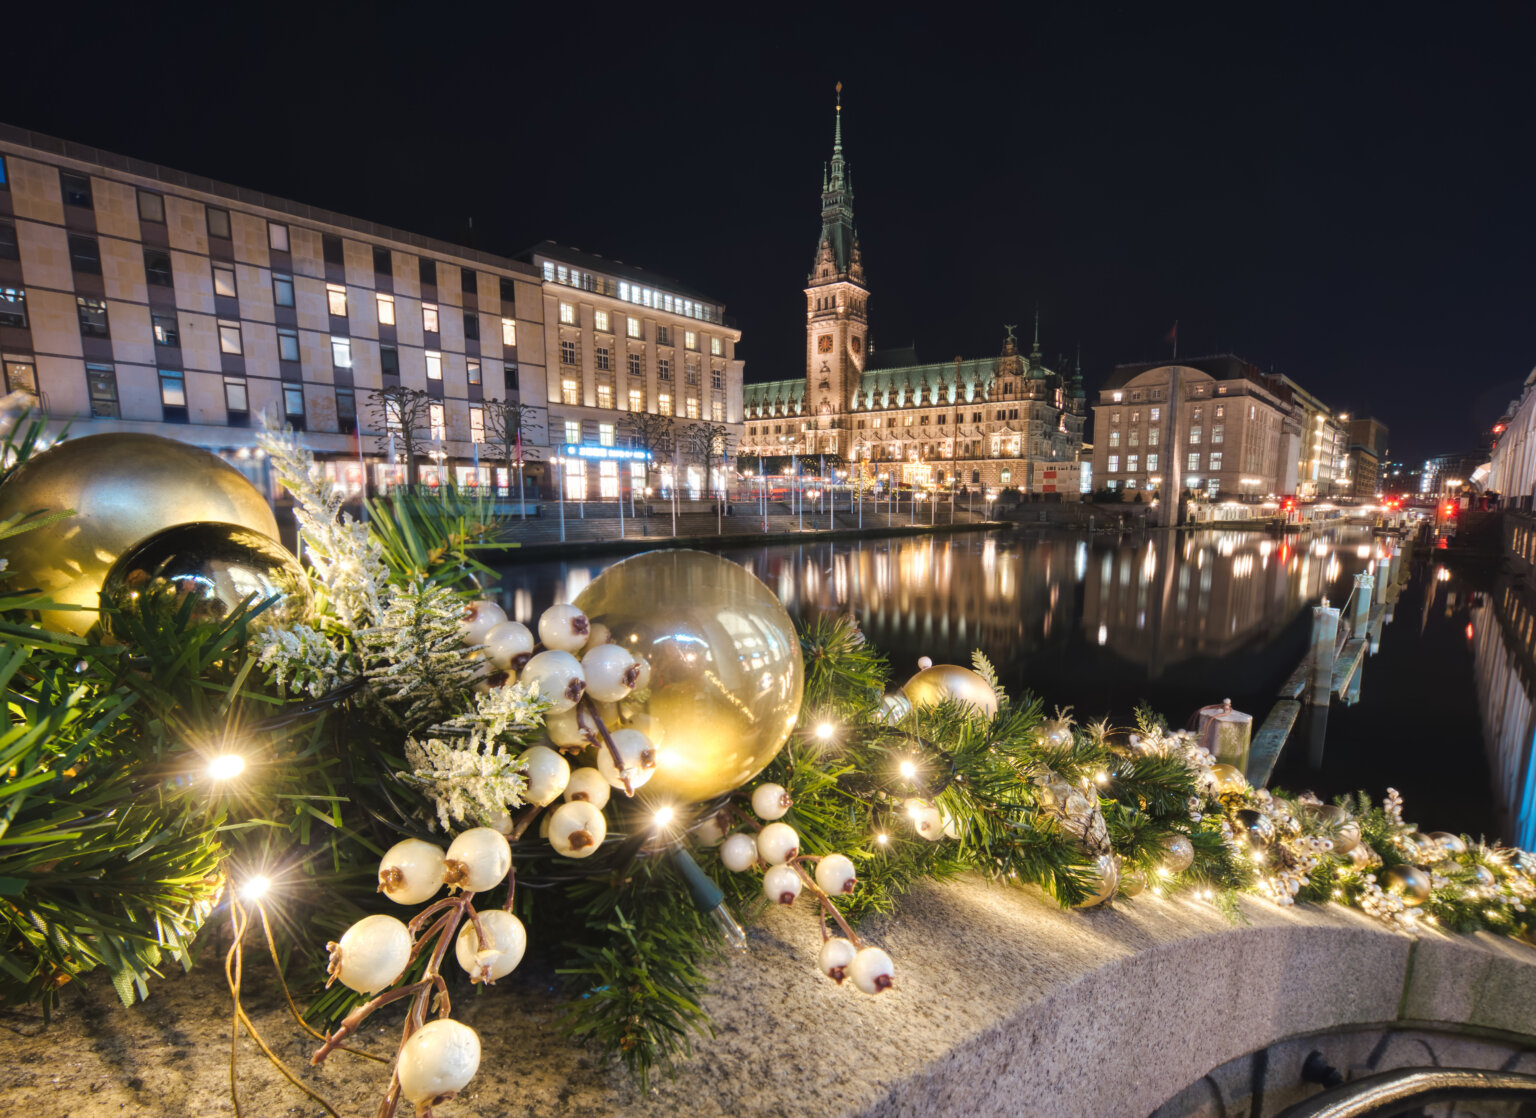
[
  {"x": 84, "y": 255},
  {"x": 229, "y": 337},
  {"x": 9, "y": 249},
  {"x": 471, "y": 326},
  {"x": 287, "y": 345},
  {"x": 429, "y": 317},
  {"x": 1006, "y": 476},
  {"x": 1155, "y": 414},
  {"x": 386, "y": 305},
  {"x": 476, "y": 424},
  {"x": 173, "y": 388},
  {"x": 472, "y": 370},
  {"x": 570, "y": 391},
  {"x": 1194, "y": 436},
  {"x": 235, "y": 399},
  {"x": 277, "y": 237},
  {"x": 166, "y": 330},
  {"x": 77, "y": 192},
  {"x": 573, "y": 431},
  {"x": 717, "y": 410},
  {"x": 1154, "y": 435},
  {"x": 13, "y": 306},
  {"x": 151, "y": 207},
  {"x": 1194, "y": 461},
  {"x": 1113, "y": 464},
  {"x": 568, "y": 314},
  {"x": 636, "y": 365},
  {"x": 1131, "y": 462},
  {"x": 101, "y": 382},
  {"x": 21, "y": 376},
  {"x": 664, "y": 403},
  {"x": 1134, "y": 439},
  {"x": 605, "y": 395},
  {"x": 693, "y": 407},
  {"x": 218, "y": 223},
  {"x": 1215, "y": 460},
  {"x": 346, "y": 410},
  {"x": 632, "y": 326},
  {"x": 93, "y": 317},
  {"x": 383, "y": 262},
  {"x": 567, "y": 352},
  {"x": 715, "y": 348},
  {"x": 508, "y": 332},
  {"x": 1218, "y": 433},
  {"x": 336, "y": 299},
  {"x": 427, "y": 270},
  {"x": 434, "y": 365},
  {"x": 692, "y": 372},
  {"x": 1151, "y": 462},
  {"x": 1114, "y": 438},
  {"x": 608, "y": 479},
  {"x": 282, "y": 290},
  {"x": 690, "y": 339},
  {"x": 293, "y": 404},
  {"x": 5, "y": 182},
  {"x": 438, "y": 420},
  {"x": 716, "y": 380},
  {"x": 663, "y": 335},
  {"x": 600, "y": 321},
  {"x": 224, "y": 280},
  {"x": 636, "y": 400},
  {"x": 389, "y": 361},
  {"x": 341, "y": 353},
  {"x": 664, "y": 368},
  {"x": 604, "y": 358},
  {"x": 605, "y": 434}
]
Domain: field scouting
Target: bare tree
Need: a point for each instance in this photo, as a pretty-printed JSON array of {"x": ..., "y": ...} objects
[
  {"x": 404, "y": 415},
  {"x": 508, "y": 424},
  {"x": 652, "y": 433},
  {"x": 709, "y": 443}
]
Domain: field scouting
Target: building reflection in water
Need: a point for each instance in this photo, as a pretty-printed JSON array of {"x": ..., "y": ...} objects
[{"x": 1503, "y": 634}]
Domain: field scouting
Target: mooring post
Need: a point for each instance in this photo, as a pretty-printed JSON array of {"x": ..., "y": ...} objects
[
  {"x": 1325, "y": 638},
  {"x": 1397, "y": 558},
  {"x": 1383, "y": 580},
  {"x": 1364, "y": 583}
]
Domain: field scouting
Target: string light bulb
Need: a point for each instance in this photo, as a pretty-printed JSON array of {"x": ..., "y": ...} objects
[
  {"x": 664, "y": 815},
  {"x": 255, "y": 887},
  {"x": 908, "y": 769},
  {"x": 824, "y": 731},
  {"x": 226, "y": 766},
  {"x": 881, "y": 838}
]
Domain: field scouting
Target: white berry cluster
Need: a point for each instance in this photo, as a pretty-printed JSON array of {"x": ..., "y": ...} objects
[{"x": 776, "y": 848}]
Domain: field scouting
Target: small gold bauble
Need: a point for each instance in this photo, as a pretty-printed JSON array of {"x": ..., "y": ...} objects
[
  {"x": 1451, "y": 844},
  {"x": 1106, "y": 870},
  {"x": 1132, "y": 884},
  {"x": 1258, "y": 827},
  {"x": 1482, "y": 874},
  {"x": 218, "y": 566},
  {"x": 934, "y": 685},
  {"x": 726, "y": 670},
  {"x": 1362, "y": 857},
  {"x": 1228, "y": 778},
  {"x": 1181, "y": 853},
  {"x": 1425, "y": 849},
  {"x": 1410, "y": 882},
  {"x": 894, "y": 706},
  {"x": 122, "y": 488}
]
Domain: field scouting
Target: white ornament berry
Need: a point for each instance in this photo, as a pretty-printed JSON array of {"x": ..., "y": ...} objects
[
  {"x": 590, "y": 785},
  {"x": 479, "y": 619},
  {"x": 372, "y": 954},
  {"x": 558, "y": 677},
  {"x": 505, "y": 942},
  {"x": 547, "y": 773},
  {"x": 611, "y": 672},
  {"x": 770, "y": 801},
  {"x": 925, "y": 818},
  {"x": 638, "y": 754},
  {"x": 924, "y": 663},
  {"x": 568, "y": 731},
  {"x": 738, "y": 853},
  {"x": 411, "y": 871},
  {"x": 711, "y": 831},
  {"x": 781, "y": 884},
  {"x": 577, "y": 829},
  {"x": 872, "y": 970},
  {"x": 834, "y": 958},
  {"x": 643, "y": 679},
  {"x": 597, "y": 633},
  {"x": 836, "y": 875},
  {"x": 777, "y": 843},
  {"x": 437, "y": 1062},
  {"x": 478, "y": 860},
  {"x": 505, "y": 642},
  {"x": 564, "y": 628}
]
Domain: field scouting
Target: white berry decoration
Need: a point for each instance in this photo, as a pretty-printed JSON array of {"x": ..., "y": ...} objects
[
  {"x": 478, "y": 860},
  {"x": 611, "y": 672},
  {"x": 835, "y": 874},
  {"x": 547, "y": 773},
  {"x": 770, "y": 801},
  {"x": 590, "y": 785},
  {"x": 479, "y": 619},
  {"x": 558, "y": 677},
  {"x": 438, "y": 1062},
  {"x": 643, "y": 677},
  {"x": 508, "y": 643},
  {"x": 834, "y": 959},
  {"x": 505, "y": 941},
  {"x": 567, "y": 730},
  {"x": 926, "y": 820},
  {"x": 597, "y": 633},
  {"x": 577, "y": 829},
  {"x": 411, "y": 871},
  {"x": 564, "y": 628},
  {"x": 777, "y": 843},
  {"x": 372, "y": 954},
  {"x": 738, "y": 853},
  {"x": 781, "y": 884},
  {"x": 638, "y": 754},
  {"x": 711, "y": 831},
  {"x": 871, "y": 970}
]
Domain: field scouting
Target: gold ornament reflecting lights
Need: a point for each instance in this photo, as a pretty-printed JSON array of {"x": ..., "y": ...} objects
[
  {"x": 1229, "y": 779},
  {"x": 726, "y": 671},
  {"x": 1409, "y": 882},
  {"x": 123, "y": 488},
  {"x": 932, "y": 686}
]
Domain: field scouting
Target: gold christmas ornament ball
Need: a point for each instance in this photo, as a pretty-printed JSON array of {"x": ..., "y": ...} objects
[
  {"x": 934, "y": 685},
  {"x": 1361, "y": 857},
  {"x": 1132, "y": 884},
  {"x": 1451, "y": 844},
  {"x": 1483, "y": 875},
  {"x": 122, "y": 488},
  {"x": 726, "y": 670},
  {"x": 1229, "y": 779},
  {"x": 1409, "y": 882},
  {"x": 217, "y": 566},
  {"x": 1106, "y": 880},
  {"x": 1181, "y": 853},
  {"x": 894, "y": 706},
  {"x": 1425, "y": 848},
  {"x": 1259, "y": 828}
]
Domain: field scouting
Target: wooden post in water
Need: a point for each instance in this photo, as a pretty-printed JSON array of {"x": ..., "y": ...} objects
[
  {"x": 1364, "y": 583},
  {"x": 1325, "y": 644}
]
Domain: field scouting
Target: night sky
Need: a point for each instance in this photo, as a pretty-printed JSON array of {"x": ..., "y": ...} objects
[{"x": 1343, "y": 193}]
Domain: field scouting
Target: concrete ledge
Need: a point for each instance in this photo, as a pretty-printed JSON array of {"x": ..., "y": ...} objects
[{"x": 1004, "y": 1005}]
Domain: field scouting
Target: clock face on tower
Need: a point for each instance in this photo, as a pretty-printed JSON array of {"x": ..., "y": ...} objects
[
  {"x": 858, "y": 344},
  {"x": 824, "y": 344}
]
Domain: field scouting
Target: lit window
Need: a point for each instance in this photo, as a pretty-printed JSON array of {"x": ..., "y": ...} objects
[
  {"x": 101, "y": 382},
  {"x": 1114, "y": 438},
  {"x": 663, "y": 335},
  {"x": 632, "y": 326},
  {"x": 229, "y": 337},
  {"x": 20, "y": 376},
  {"x": 439, "y": 421},
  {"x": 13, "y": 306},
  {"x": 288, "y": 345},
  {"x": 434, "y": 365},
  {"x": 1194, "y": 461},
  {"x": 282, "y": 290},
  {"x": 600, "y": 321},
  {"x": 605, "y": 395},
  {"x": 386, "y": 309},
  {"x": 1154, "y": 435},
  {"x": 605, "y": 434},
  {"x": 277, "y": 238},
  {"x": 715, "y": 348},
  {"x": 568, "y": 313},
  {"x": 636, "y": 400},
  {"x": 1151, "y": 461},
  {"x": 570, "y": 391},
  {"x": 690, "y": 339},
  {"x": 1113, "y": 464},
  {"x": 508, "y": 332},
  {"x": 717, "y": 410},
  {"x": 1194, "y": 436},
  {"x": 336, "y": 297},
  {"x": 1218, "y": 432},
  {"x": 429, "y": 317},
  {"x": 573, "y": 430},
  {"x": 341, "y": 353},
  {"x": 476, "y": 424},
  {"x": 664, "y": 403},
  {"x": 93, "y": 317},
  {"x": 224, "y": 280},
  {"x": 1155, "y": 414},
  {"x": 1116, "y": 397},
  {"x": 234, "y": 394},
  {"x": 472, "y": 370},
  {"x": 693, "y": 407},
  {"x": 608, "y": 479},
  {"x": 173, "y": 388},
  {"x": 1215, "y": 460},
  {"x": 1131, "y": 462}
]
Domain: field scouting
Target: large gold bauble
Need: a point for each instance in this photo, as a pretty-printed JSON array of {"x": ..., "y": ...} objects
[
  {"x": 1229, "y": 779},
  {"x": 1451, "y": 844},
  {"x": 123, "y": 488},
  {"x": 1106, "y": 870},
  {"x": 934, "y": 685},
  {"x": 1410, "y": 882},
  {"x": 218, "y": 566},
  {"x": 726, "y": 671}
]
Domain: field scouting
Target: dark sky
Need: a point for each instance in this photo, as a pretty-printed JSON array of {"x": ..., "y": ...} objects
[{"x": 1342, "y": 192}]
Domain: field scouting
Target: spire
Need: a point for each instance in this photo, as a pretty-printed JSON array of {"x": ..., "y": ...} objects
[
  {"x": 837, "y": 213},
  {"x": 1035, "y": 353},
  {"x": 837, "y": 134}
]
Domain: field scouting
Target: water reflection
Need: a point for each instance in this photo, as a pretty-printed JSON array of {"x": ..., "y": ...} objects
[{"x": 1503, "y": 634}]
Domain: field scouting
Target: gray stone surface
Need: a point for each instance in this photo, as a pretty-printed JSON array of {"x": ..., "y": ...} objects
[{"x": 1004, "y": 1005}]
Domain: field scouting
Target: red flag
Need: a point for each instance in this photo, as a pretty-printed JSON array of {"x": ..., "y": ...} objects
[{"x": 1173, "y": 337}]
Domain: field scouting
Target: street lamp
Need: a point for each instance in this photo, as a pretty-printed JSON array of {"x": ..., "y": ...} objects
[{"x": 559, "y": 461}]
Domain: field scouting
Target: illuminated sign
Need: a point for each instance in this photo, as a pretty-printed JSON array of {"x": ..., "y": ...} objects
[{"x": 611, "y": 453}]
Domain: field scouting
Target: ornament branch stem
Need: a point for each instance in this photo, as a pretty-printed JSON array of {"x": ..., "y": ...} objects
[
  {"x": 827, "y": 907},
  {"x": 613, "y": 750}
]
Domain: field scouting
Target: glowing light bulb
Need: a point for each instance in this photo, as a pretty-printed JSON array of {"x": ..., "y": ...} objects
[
  {"x": 824, "y": 731},
  {"x": 881, "y": 839},
  {"x": 226, "y": 766},
  {"x": 1102, "y": 778},
  {"x": 664, "y": 815},
  {"x": 908, "y": 769},
  {"x": 256, "y": 887}
]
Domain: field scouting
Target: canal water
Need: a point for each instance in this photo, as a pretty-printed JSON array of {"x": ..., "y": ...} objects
[{"x": 1179, "y": 621}]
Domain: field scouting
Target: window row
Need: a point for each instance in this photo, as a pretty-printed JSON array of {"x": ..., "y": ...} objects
[{"x": 602, "y": 323}]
